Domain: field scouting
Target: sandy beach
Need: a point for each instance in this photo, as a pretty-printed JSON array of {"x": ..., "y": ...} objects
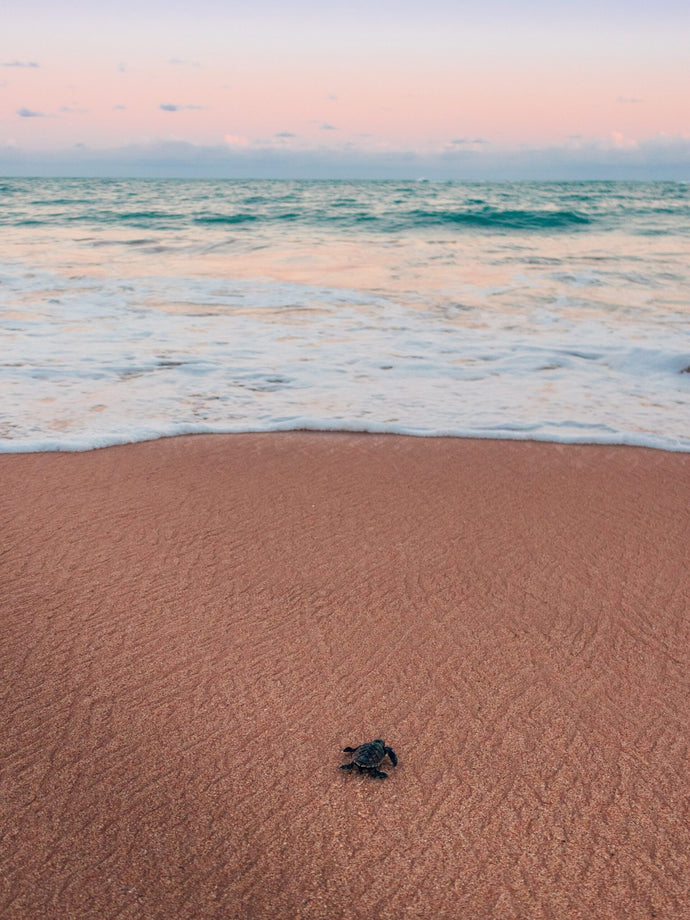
[{"x": 194, "y": 628}]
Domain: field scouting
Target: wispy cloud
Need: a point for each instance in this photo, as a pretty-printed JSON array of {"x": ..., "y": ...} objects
[
  {"x": 628, "y": 100},
  {"x": 19, "y": 64},
  {"x": 182, "y": 62},
  {"x": 30, "y": 113},
  {"x": 73, "y": 110},
  {"x": 119, "y": 108},
  {"x": 326, "y": 127},
  {"x": 172, "y": 107},
  {"x": 468, "y": 141},
  {"x": 284, "y": 134}
]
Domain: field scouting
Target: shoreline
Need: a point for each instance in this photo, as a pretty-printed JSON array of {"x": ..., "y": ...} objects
[
  {"x": 86, "y": 445},
  {"x": 195, "y": 626}
]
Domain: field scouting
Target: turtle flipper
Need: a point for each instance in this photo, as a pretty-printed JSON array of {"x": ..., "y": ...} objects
[
  {"x": 346, "y": 766},
  {"x": 348, "y": 750},
  {"x": 392, "y": 755},
  {"x": 378, "y": 773}
]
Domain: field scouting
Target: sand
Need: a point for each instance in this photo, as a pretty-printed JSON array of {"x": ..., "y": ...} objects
[{"x": 193, "y": 628}]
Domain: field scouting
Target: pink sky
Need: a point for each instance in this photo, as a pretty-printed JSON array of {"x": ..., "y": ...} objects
[{"x": 410, "y": 77}]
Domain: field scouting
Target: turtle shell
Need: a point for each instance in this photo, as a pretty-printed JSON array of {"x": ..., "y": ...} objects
[{"x": 369, "y": 755}]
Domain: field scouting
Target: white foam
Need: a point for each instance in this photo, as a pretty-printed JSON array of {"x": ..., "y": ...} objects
[
  {"x": 576, "y": 341},
  {"x": 100, "y": 365},
  {"x": 133, "y": 435}
]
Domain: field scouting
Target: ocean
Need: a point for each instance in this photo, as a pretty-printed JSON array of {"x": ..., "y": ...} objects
[{"x": 136, "y": 309}]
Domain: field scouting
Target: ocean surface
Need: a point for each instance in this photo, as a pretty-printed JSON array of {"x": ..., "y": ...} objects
[{"x": 133, "y": 309}]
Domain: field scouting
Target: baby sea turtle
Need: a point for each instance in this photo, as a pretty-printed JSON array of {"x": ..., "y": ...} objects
[{"x": 369, "y": 756}]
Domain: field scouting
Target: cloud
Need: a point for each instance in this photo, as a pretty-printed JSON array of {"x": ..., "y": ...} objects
[
  {"x": 660, "y": 157},
  {"x": 622, "y": 142},
  {"x": 236, "y": 140},
  {"x": 119, "y": 108},
  {"x": 628, "y": 100},
  {"x": 326, "y": 127},
  {"x": 30, "y": 113},
  {"x": 20, "y": 64},
  {"x": 332, "y": 97},
  {"x": 469, "y": 143},
  {"x": 172, "y": 107},
  {"x": 284, "y": 134},
  {"x": 73, "y": 110},
  {"x": 122, "y": 68},
  {"x": 181, "y": 62},
  {"x": 469, "y": 140}
]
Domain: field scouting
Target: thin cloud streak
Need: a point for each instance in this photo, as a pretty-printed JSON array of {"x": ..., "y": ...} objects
[
  {"x": 467, "y": 141},
  {"x": 173, "y": 107}
]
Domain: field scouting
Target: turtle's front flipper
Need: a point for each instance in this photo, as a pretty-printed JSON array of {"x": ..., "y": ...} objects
[
  {"x": 346, "y": 766},
  {"x": 348, "y": 750},
  {"x": 379, "y": 773},
  {"x": 391, "y": 754}
]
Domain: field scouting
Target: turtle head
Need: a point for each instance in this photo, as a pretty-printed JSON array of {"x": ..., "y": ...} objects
[{"x": 380, "y": 741}]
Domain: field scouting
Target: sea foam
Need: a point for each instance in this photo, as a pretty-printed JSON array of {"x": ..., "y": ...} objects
[{"x": 543, "y": 312}]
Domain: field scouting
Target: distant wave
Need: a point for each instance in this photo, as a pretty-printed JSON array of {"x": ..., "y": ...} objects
[
  {"x": 227, "y": 219},
  {"x": 351, "y": 208},
  {"x": 124, "y": 217},
  {"x": 485, "y": 219},
  {"x": 509, "y": 219}
]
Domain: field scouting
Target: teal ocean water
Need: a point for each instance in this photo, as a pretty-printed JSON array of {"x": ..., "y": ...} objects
[{"x": 133, "y": 309}]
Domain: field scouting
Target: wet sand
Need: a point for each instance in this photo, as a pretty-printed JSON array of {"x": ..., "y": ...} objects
[{"x": 193, "y": 628}]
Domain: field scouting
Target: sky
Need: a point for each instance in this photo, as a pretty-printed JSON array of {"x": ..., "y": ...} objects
[{"x": 346, "y": 89}]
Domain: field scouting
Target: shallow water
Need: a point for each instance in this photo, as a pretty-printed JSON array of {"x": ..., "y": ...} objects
[{"x": 141, "y": 308}]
